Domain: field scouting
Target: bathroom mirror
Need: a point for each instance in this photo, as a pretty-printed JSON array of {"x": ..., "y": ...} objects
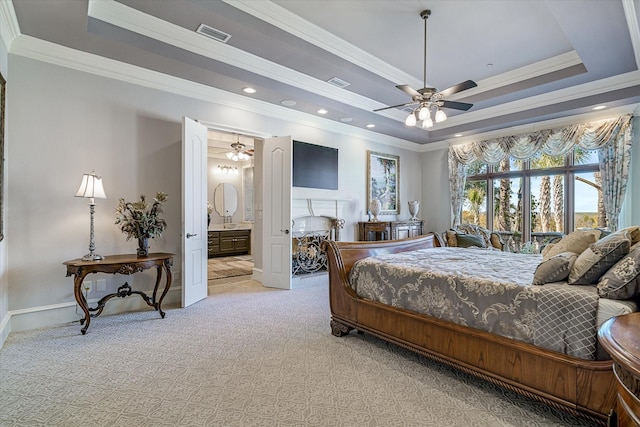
[
  {"x": 225, "y": 199},
  {"x": 247, "y": 192}
]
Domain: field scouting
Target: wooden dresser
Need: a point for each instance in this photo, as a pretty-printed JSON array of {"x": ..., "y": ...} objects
[
  {"x": 620, "y": 337},
  {"x": 229, "y": 242},
  {"x": 389, "y": 230}
]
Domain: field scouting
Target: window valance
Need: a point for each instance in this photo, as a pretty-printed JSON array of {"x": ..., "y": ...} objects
[{"x": 553, "y": 142}]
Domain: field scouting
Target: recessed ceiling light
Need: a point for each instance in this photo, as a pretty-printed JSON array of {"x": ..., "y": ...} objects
[
  {"x": 346, "y": 119},
  {"x": 248, "y": 90},
  {"x": 600, "y": 107},
  {"x": 371, "y": 125},
  {"x": 288, "y": 102},
  {"x": 457, "y": 135},
  {"x": 322, "y": 111}
]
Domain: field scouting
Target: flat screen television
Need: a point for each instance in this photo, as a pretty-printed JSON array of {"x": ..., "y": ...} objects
[{"x": 315, "y": 166}]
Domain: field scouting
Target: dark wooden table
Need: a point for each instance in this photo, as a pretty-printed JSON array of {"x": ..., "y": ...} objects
[
  {"x": 119, "y": 264},
  {"x": 620, "y": 337}
]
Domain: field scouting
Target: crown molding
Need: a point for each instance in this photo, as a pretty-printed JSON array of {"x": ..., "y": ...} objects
[
  {"x": 138, "y": 22},
  {"x": 584, "y": 90},
  {"x": 9, "y": 27},
  {"x": 52, "y": 53},
  {"x": 41, "y": 50},
  {"x": 634, "y": 28}
]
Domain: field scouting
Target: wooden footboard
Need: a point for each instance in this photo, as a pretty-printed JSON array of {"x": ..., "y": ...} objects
[{"x": 581, "y": 387}]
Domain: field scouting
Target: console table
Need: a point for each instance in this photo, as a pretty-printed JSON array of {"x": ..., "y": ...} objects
[
  {"x": 119, "y": 264},
  {"x": 389, "y": 230},
  {"x": 619, "y": 337}
]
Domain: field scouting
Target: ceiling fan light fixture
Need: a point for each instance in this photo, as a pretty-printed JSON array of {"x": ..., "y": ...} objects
[
  {"x": 423, "y": 113},
  {"x": 440, "y": 116},
  {"x": 427, "y": 123},
  {"x": 411, "y": 119}
]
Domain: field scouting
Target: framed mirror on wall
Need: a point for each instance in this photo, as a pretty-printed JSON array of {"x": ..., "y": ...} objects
[{"x": 3, "y": 83}]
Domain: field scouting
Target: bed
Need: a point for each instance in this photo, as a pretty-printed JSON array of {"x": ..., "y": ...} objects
[{"x": 577, "y": 385}]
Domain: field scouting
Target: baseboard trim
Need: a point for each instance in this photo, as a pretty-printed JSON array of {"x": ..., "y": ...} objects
[
  {"x": 58, "y": 314},
  {"x": 257, "y": 275},
  {"x": 5, "y": 328}
]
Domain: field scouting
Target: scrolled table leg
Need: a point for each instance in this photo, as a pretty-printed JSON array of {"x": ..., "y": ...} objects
[
  {"x": 167, "y": 270},
  {"x": 82, "y": 302}
]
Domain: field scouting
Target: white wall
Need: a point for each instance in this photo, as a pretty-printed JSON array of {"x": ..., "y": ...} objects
[
  {"x": 436, "y": 197},
  {"x": 71, "y": 122},
  {"x": 4, "y": 283}
]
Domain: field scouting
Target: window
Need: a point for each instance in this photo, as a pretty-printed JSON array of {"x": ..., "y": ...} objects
[{"x": 537, "y": 198}]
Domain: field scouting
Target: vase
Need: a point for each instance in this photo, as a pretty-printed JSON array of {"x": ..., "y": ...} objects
[
  {"x": 143, "y": 247},
  {"x": 375, "y": 207},
  {"x": 414, "y": 208}
]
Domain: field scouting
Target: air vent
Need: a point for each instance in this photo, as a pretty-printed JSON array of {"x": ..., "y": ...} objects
[
  {"x": 338, "y": 82},
  {"x": 218, "y": 35}
]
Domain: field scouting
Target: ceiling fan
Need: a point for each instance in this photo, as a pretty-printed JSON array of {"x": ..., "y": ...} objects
[
  {"x": 239, "y": 152},
  {"x": 429, "y": 99}
]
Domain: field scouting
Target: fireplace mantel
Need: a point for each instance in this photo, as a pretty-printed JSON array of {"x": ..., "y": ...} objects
[{"x": 332, "y": 208}]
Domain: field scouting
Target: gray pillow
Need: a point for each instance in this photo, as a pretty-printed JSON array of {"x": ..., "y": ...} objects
[
  {"x": 555, "y": 269},
  {"x": 622, "y": 281},
  {"x": 468, "y": 240},
  {"x": 598, "y": 258}
]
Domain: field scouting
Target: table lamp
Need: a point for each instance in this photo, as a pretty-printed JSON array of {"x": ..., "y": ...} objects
[{"x": 91, "y": 188}]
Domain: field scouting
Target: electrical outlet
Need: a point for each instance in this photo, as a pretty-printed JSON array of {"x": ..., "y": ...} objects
[{"x": 101, "y": 285}]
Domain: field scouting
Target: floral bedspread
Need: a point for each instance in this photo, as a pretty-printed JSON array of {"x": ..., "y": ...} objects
[{"x": 487, "y": 290}]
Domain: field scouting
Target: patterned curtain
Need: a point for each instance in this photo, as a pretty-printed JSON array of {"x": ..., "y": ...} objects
[
  {"x": 615, "y": 160},
  {"x": 611, "y": 137},
  {"x": 457, "y": 179}
]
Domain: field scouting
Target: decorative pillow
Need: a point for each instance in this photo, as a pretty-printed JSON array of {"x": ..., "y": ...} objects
[
  {"x": 496, "y": 241},
  {"x": 633, "y": 233},
  {"x": 546, "y": 249},
  {"x": 598, "y": 258},
  {"x": 450, "y": 238},
  {"x": 622, "y": 281},
  {"x": 575, "y": 242},
  {"x": 468, "y": 240},
  {"x": 555, "y": 269}
]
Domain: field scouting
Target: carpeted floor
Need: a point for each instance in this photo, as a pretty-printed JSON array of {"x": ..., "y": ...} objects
[
  {"x": 233, "y": 266},
  {"x": 244, "y": 356}
]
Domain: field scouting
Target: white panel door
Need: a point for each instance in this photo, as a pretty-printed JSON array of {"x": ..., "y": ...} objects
[
  {"x": 194, "y": 212},
  {"x": 276, "y": 239}
]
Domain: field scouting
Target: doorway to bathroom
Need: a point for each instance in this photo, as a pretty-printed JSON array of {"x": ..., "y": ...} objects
[{"x": 230, "y": 199}]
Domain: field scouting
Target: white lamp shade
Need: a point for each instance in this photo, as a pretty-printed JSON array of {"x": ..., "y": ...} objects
[
  {"x": 440, "y": 116},
  {"x": 91, "y": 187}
]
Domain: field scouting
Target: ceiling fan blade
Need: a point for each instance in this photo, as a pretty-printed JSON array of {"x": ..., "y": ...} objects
[
  {"x": 458, "y": 88},
  {"x": 408, "y": 90},
  {"x": 456, "y": 105},
  {"x": 396, "y": 106}
]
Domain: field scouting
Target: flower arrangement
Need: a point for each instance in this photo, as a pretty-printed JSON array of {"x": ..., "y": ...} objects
[
  {"x": 139, "y": 220},
  {"x": 209, "y": 208}
]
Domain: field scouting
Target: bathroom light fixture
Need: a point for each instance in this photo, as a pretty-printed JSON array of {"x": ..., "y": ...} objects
[{"x": 227, "y": 170}]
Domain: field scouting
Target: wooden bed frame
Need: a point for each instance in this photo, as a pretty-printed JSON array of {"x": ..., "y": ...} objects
[{"x": 581, "y": 387}]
